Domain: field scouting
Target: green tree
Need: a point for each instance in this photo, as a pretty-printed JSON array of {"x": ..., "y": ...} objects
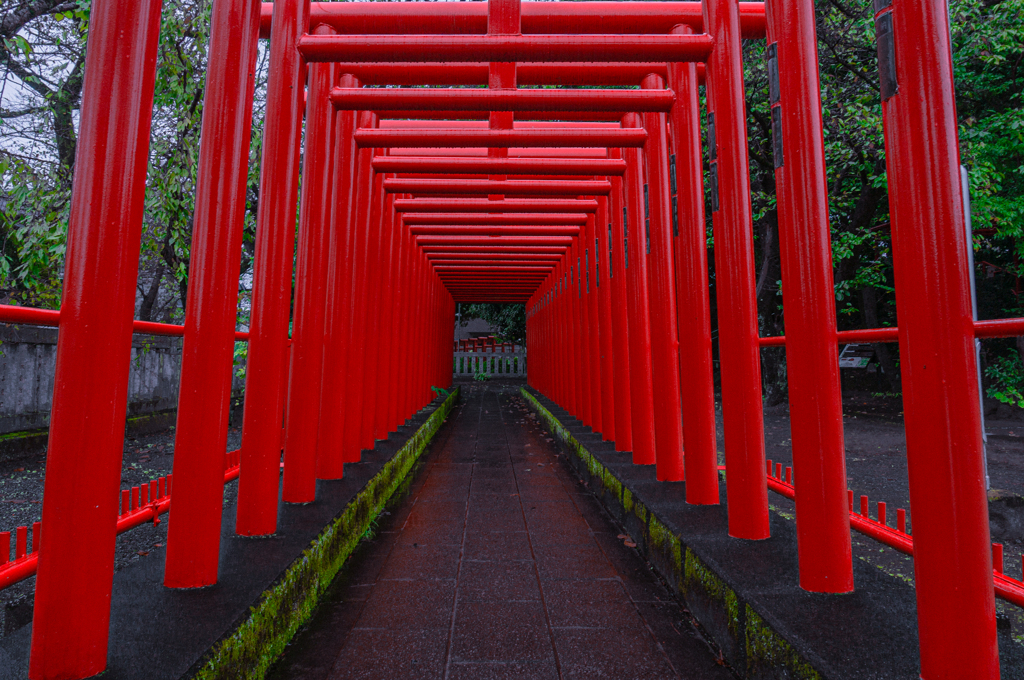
[{"x": 508, "y": 320}]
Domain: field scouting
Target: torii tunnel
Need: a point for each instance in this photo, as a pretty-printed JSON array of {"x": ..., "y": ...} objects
[{"x": 541, "y": 153}]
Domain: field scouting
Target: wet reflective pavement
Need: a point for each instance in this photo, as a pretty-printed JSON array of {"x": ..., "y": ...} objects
[{"x": 497, "y": 564}]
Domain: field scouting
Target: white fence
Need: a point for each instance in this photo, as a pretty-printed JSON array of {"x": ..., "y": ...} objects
[{"x": 490, "y": 363}]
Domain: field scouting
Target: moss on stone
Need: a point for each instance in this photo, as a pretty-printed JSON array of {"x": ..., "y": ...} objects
[
  {"x": 768, "y": 649},
  {"x": 642, "y": 513},
  {"x": 697, "y": 576},
  {"x": 23, "y": 434},
  {"x": 658, "y": 535},
  {"x": 272, "y": 622},
  {"x": 664, "y": 541},
  {"x": 611, "y": 482}
]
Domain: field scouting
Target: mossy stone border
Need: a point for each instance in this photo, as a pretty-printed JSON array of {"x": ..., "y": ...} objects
[
  {"x": 752, "y": 647},
  {"x": 283, "y": 608}
]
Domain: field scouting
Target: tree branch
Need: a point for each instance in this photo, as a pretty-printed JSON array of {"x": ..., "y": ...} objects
[{"x": 13, "y": 21}]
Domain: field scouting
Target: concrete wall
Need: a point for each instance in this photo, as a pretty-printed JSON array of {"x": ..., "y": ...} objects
[{"x": 28, "y": 357}]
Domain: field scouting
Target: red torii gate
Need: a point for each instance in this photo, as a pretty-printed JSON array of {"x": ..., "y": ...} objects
[{"x": 600, "y": 316}]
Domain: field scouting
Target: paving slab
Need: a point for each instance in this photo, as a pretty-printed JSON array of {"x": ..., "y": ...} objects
[{"x": 499, "y": 564}]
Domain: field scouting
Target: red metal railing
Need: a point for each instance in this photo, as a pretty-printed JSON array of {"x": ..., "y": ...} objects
[
  {"x": 989, "y": 328},
  {"x": 139, "y": 505},
  {"x": 32, "y": 316},
  {"x": 898, "y": 538}
]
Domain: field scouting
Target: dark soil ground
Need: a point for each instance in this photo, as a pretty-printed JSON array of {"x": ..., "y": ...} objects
[
  {"x": 21, "y": 494},
  {"x": 876, "y": 466}
]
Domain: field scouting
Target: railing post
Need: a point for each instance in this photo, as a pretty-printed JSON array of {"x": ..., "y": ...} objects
[
  {"x": 812, "y": 359},
  {"x": 640, "y": 379},
  {"x": 692, "y": 301},
  {"x": 668, "y": 409},
  {"x": 302, "y": 415},
  {"x": 207, "y": 356},
  {"x": 267, "y": 364},
  {"x": 71, "y": 620},
  {"x": 739, "y": 350},
  {"x": 952, "y": 552}
]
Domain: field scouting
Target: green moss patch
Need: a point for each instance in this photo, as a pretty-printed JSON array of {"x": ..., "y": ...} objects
[
  {"x": 766, "y": 649},
  {"x": 272, "y": 622}
]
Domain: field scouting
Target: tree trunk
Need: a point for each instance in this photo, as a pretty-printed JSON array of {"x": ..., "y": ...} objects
[
  {"x": 773, "y": 359},
  {"x": 869, "y": 304},
  {"x": 149, "y": 299}
]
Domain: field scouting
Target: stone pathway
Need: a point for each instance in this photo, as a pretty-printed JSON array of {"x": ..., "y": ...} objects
[{"x": 498, "y": 564}]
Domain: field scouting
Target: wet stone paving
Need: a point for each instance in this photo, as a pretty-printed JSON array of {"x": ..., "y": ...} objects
[{"x": 498, "y": 563}]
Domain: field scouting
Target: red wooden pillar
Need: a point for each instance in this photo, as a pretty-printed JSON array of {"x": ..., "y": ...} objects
[
  {"x": 602, "y": 229},
  {"x": 739, "y": 350},
  {"x": 267, "y": 363},
  {"x": 372, "y": 308},
  {"x": 337, "y": 342},
  {"x": 641, "y": 389},
  {"x": 952, "y": 553},
  {"x": 576, "y": 356},
  {"x": 565, "y": 337},
  {"x": 302, "y": 416},
  {"x": 388, "y": 292},
  {"x": 207, "y": 356},
  {"x": 400, "y": 371},
  {"x": 583, "y": 360},
  {"x": 559, "y": 391},
  {"x": 593, "y": 369},
  {"x": 357, "y": 334},
  {"x": 402, "y": 340},
  {"x": 71, "y": 620},
  {"x": 693, "y": 306},
  {"x": 812, "y": 360},
  {"x": 668, "y": 426},
  {"x": 620, "y": 322}
]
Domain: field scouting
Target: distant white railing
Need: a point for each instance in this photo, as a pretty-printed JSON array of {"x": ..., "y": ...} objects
[{"x": 490, "y": 363}]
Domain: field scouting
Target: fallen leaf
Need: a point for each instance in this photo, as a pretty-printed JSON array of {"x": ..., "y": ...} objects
[
  {"x": 622, "y": 537},
  {"x": 23, "y": 469},
  {"x": 143, "y": 553},
  {"x": 629, "y": 544},
  {"x": 158, "y": 545}
]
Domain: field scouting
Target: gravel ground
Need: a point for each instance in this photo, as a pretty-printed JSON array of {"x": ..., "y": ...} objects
[{"x": 21, "y": 494}]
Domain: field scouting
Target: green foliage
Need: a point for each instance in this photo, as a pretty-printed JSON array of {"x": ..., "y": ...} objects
[
  {"x": 507, "y": 320},
  {"x": 1007, "y": 379},
  {"x": 988, "y": 61},
  {"x": 481, "y": 377},
  {"x": 45, "y": 54}
]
